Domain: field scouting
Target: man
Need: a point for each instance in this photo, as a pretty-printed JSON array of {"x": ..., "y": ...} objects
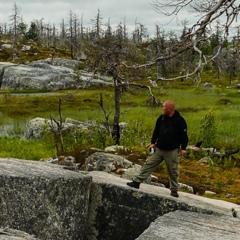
[{"x": 169, "y": 139}]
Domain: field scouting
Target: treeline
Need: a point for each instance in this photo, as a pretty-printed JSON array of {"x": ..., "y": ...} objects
[{"x": 129, "y": 55}]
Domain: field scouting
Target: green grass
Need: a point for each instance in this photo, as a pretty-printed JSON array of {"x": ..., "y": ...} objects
[
  {"x": 193, "y": 104},
  {"x": 15, "y": 147}
]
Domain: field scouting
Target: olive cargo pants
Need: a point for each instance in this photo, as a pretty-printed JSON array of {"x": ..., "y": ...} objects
[{"x": 170, "y": 157}]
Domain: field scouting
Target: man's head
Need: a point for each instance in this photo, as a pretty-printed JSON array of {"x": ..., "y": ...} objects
[{"x": 168, "y": 108}]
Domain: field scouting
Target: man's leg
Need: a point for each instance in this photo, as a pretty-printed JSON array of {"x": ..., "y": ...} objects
[
  {"x": 148, "y": 167},
  {"x": 171, "y": 160}
]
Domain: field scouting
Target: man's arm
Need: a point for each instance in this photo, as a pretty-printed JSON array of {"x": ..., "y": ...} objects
[
  {"x": 184, "y": 135},
  {"x": 155, "y": 132}
]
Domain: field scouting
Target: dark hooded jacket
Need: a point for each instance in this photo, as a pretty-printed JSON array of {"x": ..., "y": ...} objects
[{"x": 170, "y": 132}]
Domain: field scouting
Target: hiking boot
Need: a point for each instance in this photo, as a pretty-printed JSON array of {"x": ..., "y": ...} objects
[
  {"x": 174, "y": 193},
  {"x": 133, "y": 184}
]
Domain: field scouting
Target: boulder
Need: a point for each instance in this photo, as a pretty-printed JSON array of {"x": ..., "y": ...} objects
[
  {"x": 182, "y": 225},
  {"x": 106, "y": 162},
  {"x": 26, "y": 48},
  {"x": 36, "y": 76},
  {"x": 81, "y": 56},
  {"x": 131, "y": 172},
  {"x": 208, "y": 85},
  {"x": 49, "y": 74},
  {"x": 61, "y": 62},
  {"x": 13, "y": 234},
  {"x": 6, "y": 46},
  {"x": 38, "y": 126},
  {"x": 43, "y": 199}
]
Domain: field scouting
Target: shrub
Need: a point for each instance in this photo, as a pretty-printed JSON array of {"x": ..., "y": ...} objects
[{"x": 208, "y": 130}]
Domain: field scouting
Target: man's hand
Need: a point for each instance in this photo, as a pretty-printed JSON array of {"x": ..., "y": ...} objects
[
  {"x": 183, "y": 152},
  {"x": 152, "y": 145}
]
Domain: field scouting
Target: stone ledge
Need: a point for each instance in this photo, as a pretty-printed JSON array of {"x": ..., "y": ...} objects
[
  {"x": 50, "y": 202},
  {"x": 12, "y": 234},
  {"x": 43, "y": 199},
  {"x": 129, "y": 211},
  {"x": 213, "y": 205},
  {"x": 191, "y": 225}
]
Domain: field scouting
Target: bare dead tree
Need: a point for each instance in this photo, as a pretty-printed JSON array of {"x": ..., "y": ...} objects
[
  {"x": 140, "y": 32},
  {"x": 107, "y": 122},
  {"x": 97, "y": 26},
  {"x": 210, "y": 12},
  {"x": 71, "y": 31},
  {"x": 108, "y": 32},
  {"x": 72, "y": 34},
  {"x": 58, "y": 136},
  {"x": 15, "y": 18}
]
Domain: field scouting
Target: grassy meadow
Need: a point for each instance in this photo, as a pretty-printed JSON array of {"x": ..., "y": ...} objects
[{"x": 194, "y": 103}]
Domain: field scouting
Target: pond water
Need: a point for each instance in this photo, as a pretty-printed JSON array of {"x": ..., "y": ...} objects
[
  {"x": 12, "y": 127},
  {"x": 33, "y": 94},
  {"x": 18, "y": 127}
]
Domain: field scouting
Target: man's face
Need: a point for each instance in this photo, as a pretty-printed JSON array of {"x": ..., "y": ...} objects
[{"x": 166, "y": 109}]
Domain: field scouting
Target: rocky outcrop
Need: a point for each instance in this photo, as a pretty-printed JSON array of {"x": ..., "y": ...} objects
[
  {"x": 106, "y": 162},
  {"x": 49, "y": 74},
  {"x": 36, "y": 127},
  {"x": 60, "y": 62},
  {"x": 43, "y": 199},
  {"x": 129, "y": 212},
  {"x": 182, "y": 225},
  {"x": 49, "y": 201},
  {"x": 208, "y": 85},
  {"x": 38, "y": 76},
  {"x": 12, "y": 234}
]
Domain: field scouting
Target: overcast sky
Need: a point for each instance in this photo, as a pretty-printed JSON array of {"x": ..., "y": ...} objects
[{"x": 116, "y": 10}]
